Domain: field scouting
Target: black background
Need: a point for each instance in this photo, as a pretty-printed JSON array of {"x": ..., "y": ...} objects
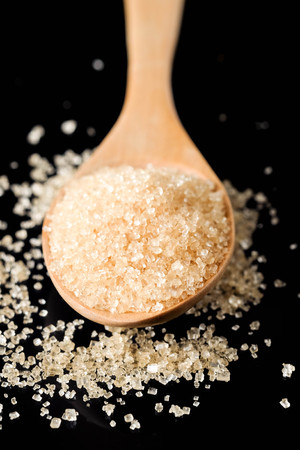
[{"x": 239, "y": 62}]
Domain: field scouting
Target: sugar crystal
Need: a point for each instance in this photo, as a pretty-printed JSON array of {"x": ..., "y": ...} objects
[
  {"x": 178, "y": 411},
  {"x": 152, "y": 391},
  {"x": 108, "y": 408},
  {"x": 70, "y": 415},
  {"x": 293, "y": 246},
  {"x": 68, "y": 126},
  {"x": 97, "y": 64},
  {"x": 268, "y": 342},
  {"x": 55, "y": 422},
  {"x": 254, "y": 325},
  {"x": 44, "y": 411},
  {"x": 279, "y": 283},
  {"x": 160, "y": 235},
  {"x": 285, "y": 403},
  {"x": 244, "y": 347},
  {"x": 125, "y": 359},
  {"x": 287, "y": 369},
  {"x": 128, "y": 418},
  {"x": 14, "y": 415},
  {"x": 268, "y": 170},
  {"x": 135, "y": 424},
  {"x": 35, "y": 134},
  {"x": 158, "y": 407}
]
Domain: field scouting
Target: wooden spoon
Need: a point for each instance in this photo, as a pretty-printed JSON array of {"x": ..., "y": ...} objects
[{"x": 147, "y": 131}]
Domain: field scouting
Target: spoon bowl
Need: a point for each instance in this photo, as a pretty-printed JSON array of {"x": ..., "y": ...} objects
[{"x": 148, "y": 131}]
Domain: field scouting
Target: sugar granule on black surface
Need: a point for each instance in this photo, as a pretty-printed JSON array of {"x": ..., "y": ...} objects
[{"x": 60, "y": 360}]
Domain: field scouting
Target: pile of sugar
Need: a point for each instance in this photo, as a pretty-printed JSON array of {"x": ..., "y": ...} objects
[
  {"x": 49, "y": 358},
  {"x": 132, "y": 239}
]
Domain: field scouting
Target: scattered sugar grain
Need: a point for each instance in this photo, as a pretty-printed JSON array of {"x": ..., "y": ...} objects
[
  {"x": 253, "y": 348},
  {"x": 70, "y": 415},
  {"x": 293, "y": 246},
  {"x": 260, "y": 197},
  {"x": 55, "y": 422},
  {"x": 178, "y": 411},
  {"x": 279, "y": 283},
  {"x": 128, "y": 418},
  {"x": 38, "y": 286},
  {"x": 158, "y": 407},
  {"x": 3, "y": 224},
  {"x": 68, "y": 126},
  {"x": 268, "y": 170},
  {"x": 4, "y": 184},
  {"x": 170, "y": 234},
  {"x": 263, "y": 125},
  {"x": 112, "y": 423},
  {"x": 239, "y": 288},
  {"x": 268, "y": 342},
  {"x": 91, "y": 131},
  {"x": 97, "y": 64},
  {"x": 152, "y": 391},
  {"x": 44, "y": 411},
  {"x": 244, "y": 347},
  {"x": 35, "y": 134},
  {"x": 287, "y": 369},
  {"x": 21, "y": 234},
  {"x": 135, "y": 424},
  {"x": 255, "y": 325},
  {"x": 14, "y": 165},
  {"x": 261, "y": 259},
  {"x": 14, "y": 415},
  {"x": 285, "y": 403},
  {"x": 108, "y": 408},
  {"x": 274, "y": 220}
]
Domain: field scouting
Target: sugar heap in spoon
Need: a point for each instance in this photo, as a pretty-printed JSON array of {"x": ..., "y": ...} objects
[{"x": 141, "y": 240}]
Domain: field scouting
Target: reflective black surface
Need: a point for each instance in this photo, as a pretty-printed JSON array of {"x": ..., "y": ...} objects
[{"x": 232, "y": 63}]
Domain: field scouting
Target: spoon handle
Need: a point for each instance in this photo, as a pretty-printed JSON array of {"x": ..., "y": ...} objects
[{"x": 152, "y": 29}]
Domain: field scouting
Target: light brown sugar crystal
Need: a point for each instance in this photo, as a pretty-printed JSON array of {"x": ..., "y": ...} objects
[
  {"x": 55, "y": 422},
  {"x": 287, "y": 369},
  {"x": 127, "y": 239},
  {"x": 49, "y": 359}
]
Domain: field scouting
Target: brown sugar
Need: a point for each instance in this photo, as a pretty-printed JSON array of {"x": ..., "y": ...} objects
[
  {"x": 47, "y": 356},
  {"x": 132, "y": 239}
]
